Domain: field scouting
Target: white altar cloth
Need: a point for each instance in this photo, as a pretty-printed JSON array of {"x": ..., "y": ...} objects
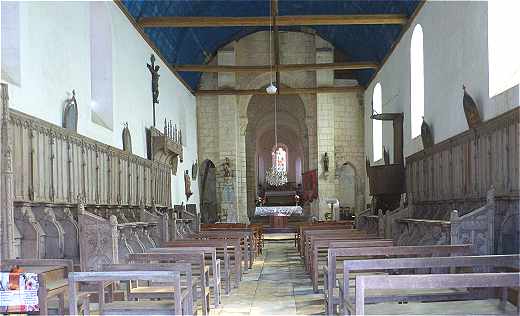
[{"x": 278, "y": 210}]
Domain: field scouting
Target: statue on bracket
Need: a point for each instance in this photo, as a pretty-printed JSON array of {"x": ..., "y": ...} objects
[
  {"x": 386, "y": 156},
  {"x": 127, "y": 139},
  {"x": 154, "y": 71},
  {"x": 426, "y": 135},
  {"x": 187, "y": 185},
  {"x": 227, "y": 168},
  {"x": 325, "y": 163},
  {"x": 70, "y": 113},
  {"x": 470, "y": 110},
  {"x": 194, "y": 170}
]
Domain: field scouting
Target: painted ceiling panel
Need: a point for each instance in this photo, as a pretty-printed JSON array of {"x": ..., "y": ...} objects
[{"x": 198, "y": 45}]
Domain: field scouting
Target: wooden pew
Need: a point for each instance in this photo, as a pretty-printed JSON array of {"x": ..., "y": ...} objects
[
  {"x": 243, "y": 241},
  {"x": 161, "y": 291},
  {"x": 322, "y": 246},
  {"x": 215, "y": 277},
  {"x": 52, "y": 278},
  {"x": 199, "y": 269},
  {"x": 474, "y": 263},
  {"x": 222, "y": 248},
  {"x": 319, "y": 226},
  {"x": 378, "y": 252},
  {"x": 129, "y": 307},
  {"x": 250, "y": 240},
  {"x": 304, "y": 240},
  {"x": 310, "y": 236}
]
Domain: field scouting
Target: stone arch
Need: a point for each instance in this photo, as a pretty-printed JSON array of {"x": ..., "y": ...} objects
[{"x": 349, "y": 186}]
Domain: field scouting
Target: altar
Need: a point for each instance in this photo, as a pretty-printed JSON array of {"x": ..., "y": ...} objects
[{"x": 278, "y": 215}]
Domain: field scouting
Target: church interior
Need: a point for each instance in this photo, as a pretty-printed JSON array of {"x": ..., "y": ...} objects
[{"x": 264, "y": 157}]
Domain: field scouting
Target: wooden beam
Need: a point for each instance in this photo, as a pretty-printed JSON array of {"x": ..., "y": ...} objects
[
  {"x": 286, "y": 67},
  {"x": 286, "y": 20},
  {"x": 286, "y": 91}
]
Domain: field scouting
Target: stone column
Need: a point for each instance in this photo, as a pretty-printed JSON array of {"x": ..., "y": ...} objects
[
  {"x": 231, "y": 144},
  {"x": 325, "y": 127},
  {"x": 6, "y": 182}
]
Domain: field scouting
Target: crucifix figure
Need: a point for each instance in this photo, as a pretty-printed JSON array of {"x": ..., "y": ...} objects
[{"x": 154, "y": 71}]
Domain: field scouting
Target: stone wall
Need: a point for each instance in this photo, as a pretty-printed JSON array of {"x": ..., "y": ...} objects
[{"x": 332, "y": 123}]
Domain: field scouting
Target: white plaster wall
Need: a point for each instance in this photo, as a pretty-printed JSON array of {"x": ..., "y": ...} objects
[
  {"x": 55, "y": 58},
  {"x": 455, "y": 53}
]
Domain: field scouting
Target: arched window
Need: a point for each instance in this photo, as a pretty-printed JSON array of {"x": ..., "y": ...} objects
[
  {"x": 377, "y": 125},
  {"x": 280, "y": 158},
  {"x": 503, "y": 48},
  {"x": 11, "y": 42},
  {"x": 416, "y": 81},
  {"x": 101, "y": 65}
]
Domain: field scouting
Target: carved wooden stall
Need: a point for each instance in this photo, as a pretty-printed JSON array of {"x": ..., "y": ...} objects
[
  {"x": 457, "y": 173},
  {"x": 475, "y": 173},
  {"x": 48, "y": 170}
]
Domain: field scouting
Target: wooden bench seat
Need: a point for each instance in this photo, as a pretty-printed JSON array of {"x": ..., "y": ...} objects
[
  {"x": 329, "y": 271},
  {"x": 163, "y": 307},
  {"x": 378, "y": 294},
  {"x": 199, "y": 269}
]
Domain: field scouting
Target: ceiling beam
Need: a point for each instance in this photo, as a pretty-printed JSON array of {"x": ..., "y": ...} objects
[
  {"x": 285, "y": 20},
  {"x": 286, "y": 91},
  {"x": 283, "y": 67}
]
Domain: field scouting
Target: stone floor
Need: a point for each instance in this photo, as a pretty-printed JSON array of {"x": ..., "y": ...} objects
[{"x": 278, "y": 285}]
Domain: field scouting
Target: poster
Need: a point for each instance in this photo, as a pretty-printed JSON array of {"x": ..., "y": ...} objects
[{"x": 18, "y": 292}]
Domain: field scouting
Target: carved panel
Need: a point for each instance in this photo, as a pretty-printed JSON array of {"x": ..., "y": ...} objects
[{"x": 54, "y": 165}]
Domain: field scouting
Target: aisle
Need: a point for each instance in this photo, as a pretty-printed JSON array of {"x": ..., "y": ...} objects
[{"x": 277, "y": 285}]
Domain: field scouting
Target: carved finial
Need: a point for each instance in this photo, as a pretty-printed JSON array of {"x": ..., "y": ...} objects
[
  {"x": 141, "y": 204},
  {"x": 490, "y": 196},
  {"x": 81, "y": 204},
  {"x": 113, "y": 220}
]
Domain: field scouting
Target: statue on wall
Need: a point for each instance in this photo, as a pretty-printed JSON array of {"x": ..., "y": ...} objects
[
  {"x": 187, "y": 185},
  {"x": 325, "y": 163},
  {"x": 70, "y": 113},
  {"x": 426, "y": 135},
  {"x": 386, "y": 156},
  {"x": 470, "y": 110},
  {"x": 194, "y": 171},
  {"x": 227, "y": 168},
  {"x": 127, "y": 139},
  {"x": 154, "y": 71}
]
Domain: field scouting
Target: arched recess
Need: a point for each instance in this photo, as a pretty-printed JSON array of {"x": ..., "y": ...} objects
[
  {"x": 348, "y": 186},
  {"x": 259, "y": 138},
  {"x": 208, "y": 192}
]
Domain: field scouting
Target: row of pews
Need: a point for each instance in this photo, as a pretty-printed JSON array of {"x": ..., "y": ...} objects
[
  {"x": 179, "y": 277},
  {"x": 362, "y": 272}
]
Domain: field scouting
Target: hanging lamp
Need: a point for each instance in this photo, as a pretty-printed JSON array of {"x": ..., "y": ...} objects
[{"x": 274, "y": 176}]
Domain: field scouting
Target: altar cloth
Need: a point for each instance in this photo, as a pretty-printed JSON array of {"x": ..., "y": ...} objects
[{"x": 278, "y": 210}]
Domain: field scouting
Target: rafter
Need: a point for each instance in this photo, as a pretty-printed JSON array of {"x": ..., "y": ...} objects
[
  {"x": 281, "y": 68},
  {"x": 285, "y": 20},
  {"x": 286, "y": 91}
]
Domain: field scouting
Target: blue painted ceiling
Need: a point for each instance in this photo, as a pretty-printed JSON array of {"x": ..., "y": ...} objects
[{"x": 197, "y": 45}]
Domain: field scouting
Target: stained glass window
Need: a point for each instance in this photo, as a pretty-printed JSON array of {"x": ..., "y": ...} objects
[{"x": 280, "y": 159}]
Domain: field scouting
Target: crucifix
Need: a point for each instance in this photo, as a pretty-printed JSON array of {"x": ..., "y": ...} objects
[{"x": 154, "y": 71}]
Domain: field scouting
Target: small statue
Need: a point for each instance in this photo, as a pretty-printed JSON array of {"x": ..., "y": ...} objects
[
  {"x": 227, "y": 168},
  {"x": 426, "y": 135},
  {"x": 470, "y": 110},
  {"x": 386, "y": 156},
  {"x": 154, "y": 71},
  {"x": 127, "y": 139},
  {"x": 194, "y": 170},
  {"x": 70, "y": 113},
  {"x": 325, "y": 163},
  {"x": 187, "y": 185}
]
